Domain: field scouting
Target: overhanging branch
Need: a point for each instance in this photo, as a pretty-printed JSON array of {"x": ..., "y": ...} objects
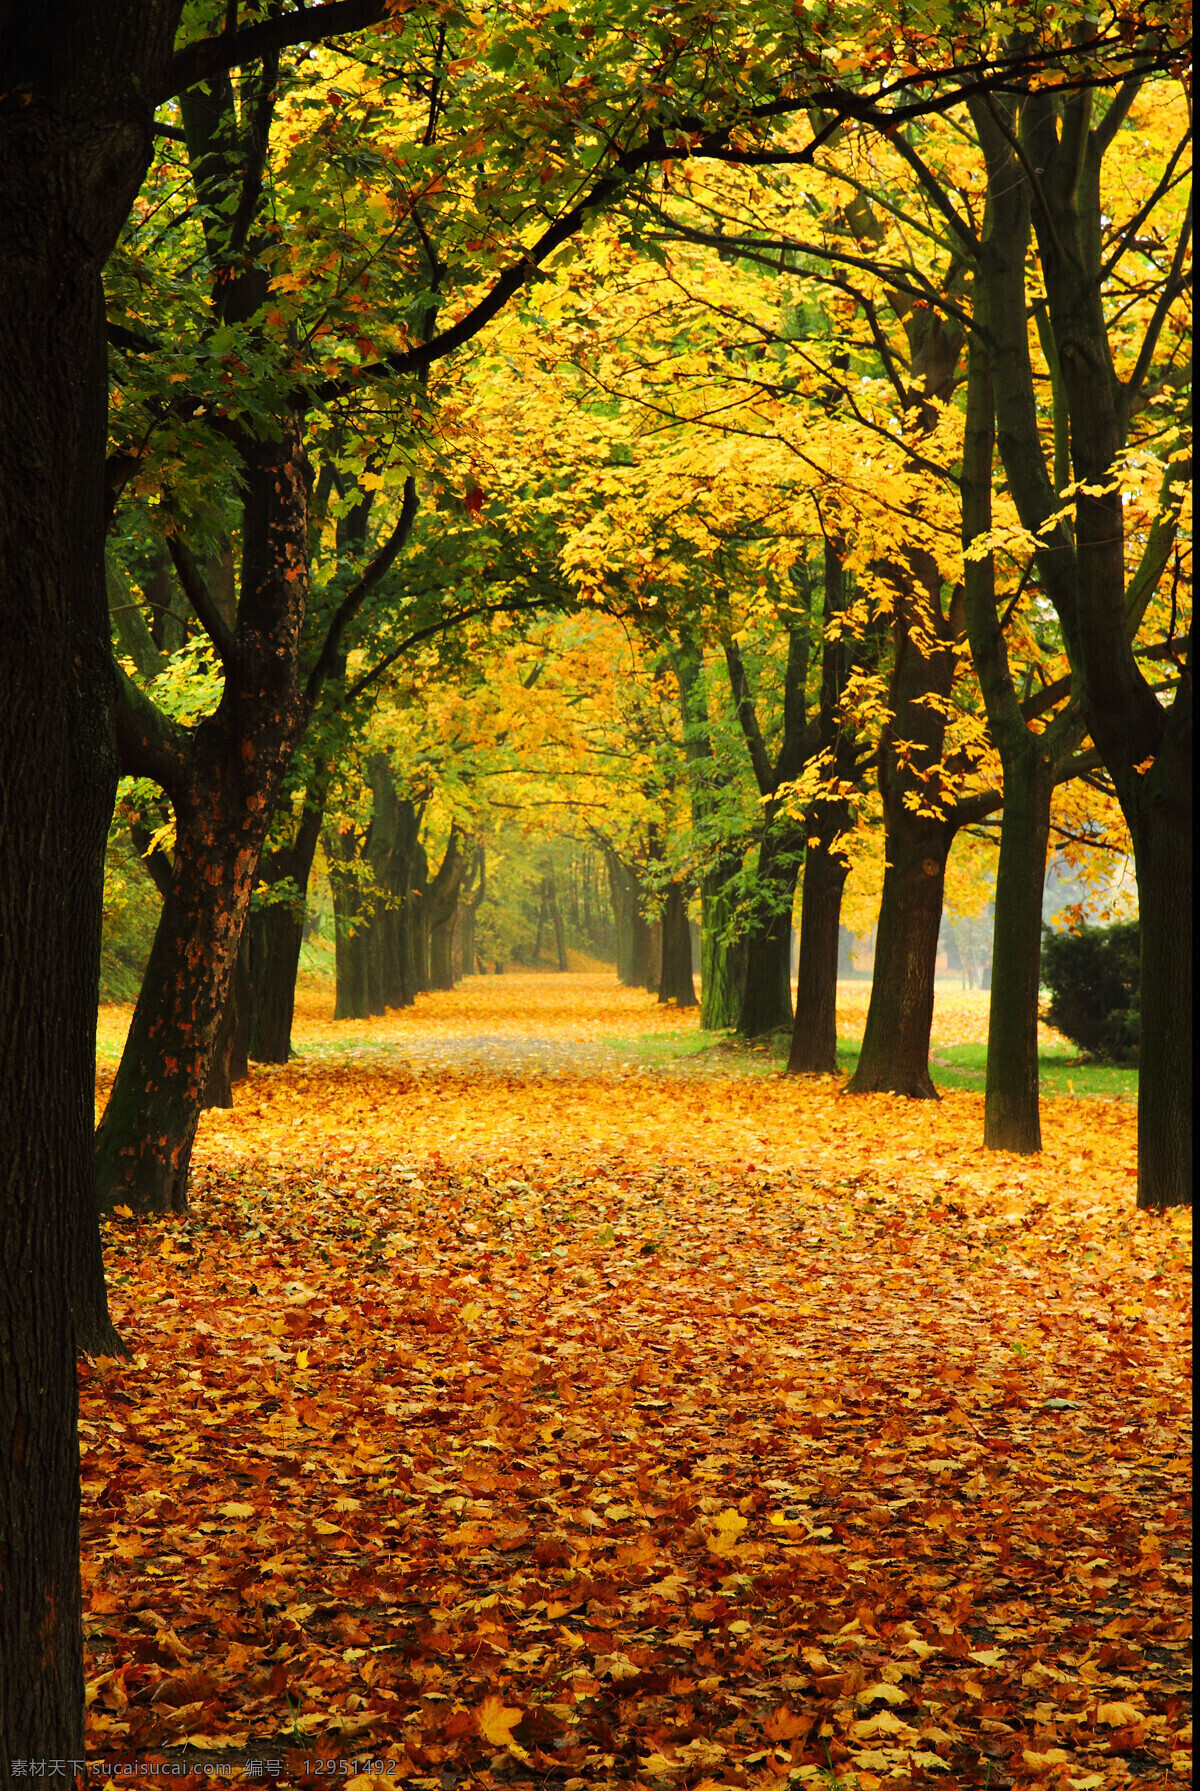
[{"x": 310, "y": 24}]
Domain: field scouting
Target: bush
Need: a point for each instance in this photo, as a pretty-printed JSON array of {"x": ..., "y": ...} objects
[{"x": 1093, "y": 976}]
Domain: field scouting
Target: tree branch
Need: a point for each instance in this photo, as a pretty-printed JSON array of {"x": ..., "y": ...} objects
[
  {"x": 446, "y": 623},
  {"x": 149, "y": 744},
  {"x": 198, "y": 595},
  {"x": 210, "y": 56},
  {"x": 1174, "y": 284},
  {"x": 1033, "y": 706},
  {"x": 358, "y": 593},
  {"x": 744, "y": 702}
]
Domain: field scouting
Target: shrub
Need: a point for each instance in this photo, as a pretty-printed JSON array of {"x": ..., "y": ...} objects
[{"x": 1093, "y": 977}]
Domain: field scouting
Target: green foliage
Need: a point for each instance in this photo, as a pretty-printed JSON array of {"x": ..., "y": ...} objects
[
  {"x": 1093, "y": 979},
  {"x": 131, "y": 909}
]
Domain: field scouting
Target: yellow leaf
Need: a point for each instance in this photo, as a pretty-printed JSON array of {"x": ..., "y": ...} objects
[
  {"x": 326, "y": 1529},
  {"x": 1039, "y": 1764},
  {"x": 891, "y": 1694},
  {"x": 496, "y": 1720},
  {"x": 987, "y": 1657},
  {"x": 302, "y": 1358},
  {"x": 123, "y": 1212},
  {"x": 235, "y": 1508},
  {"x": 1118, "y": 1715},
  {"x": 883, "y": 1724},
  {"x": 726, "y": 1531}
]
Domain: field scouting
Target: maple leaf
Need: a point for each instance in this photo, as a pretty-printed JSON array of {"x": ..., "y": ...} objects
[
  {"x": 495, "y": 1722},
  {"x": 725, "y": 1532}
]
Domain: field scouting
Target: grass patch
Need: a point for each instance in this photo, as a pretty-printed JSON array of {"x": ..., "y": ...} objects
[
  {"x": 1060, "y": 1071},
  {"x": 953, "y": 1067}
]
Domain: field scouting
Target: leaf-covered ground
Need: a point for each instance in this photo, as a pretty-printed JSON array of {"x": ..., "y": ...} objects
[{"x": 571, "y": 1426}]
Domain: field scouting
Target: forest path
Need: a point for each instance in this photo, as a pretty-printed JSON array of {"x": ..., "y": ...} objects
[
  {"x": 611, "y": 1430},
  {"x": 538, "y": 1023}
]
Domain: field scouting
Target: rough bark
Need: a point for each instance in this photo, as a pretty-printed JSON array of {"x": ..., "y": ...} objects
[
  {"x": 675, "y": 981},
  {"x": 350, "y": 925},
  {"x": 1029, "y": 763},
  {"x": 276, "y": 934},
  {"x": 230, "y": 1056},
  {"x": 222, "y": 797},
  {"x": 1144, "y": 745},
  {"x": 75, "y": 138},
  {"x": 919, "y": 829},
  {"x": 814, "y": 1030},
  {"x": 920, "y": 820}
]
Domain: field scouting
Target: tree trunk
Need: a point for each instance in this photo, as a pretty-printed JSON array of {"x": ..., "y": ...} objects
[
  {"x": 473, "y": 898},
  {"x": 722, "y": 960},
  {"x": 560, "y": 932},
  {"x": 441, "y": 956},
  {"x": 415, "y": 933},
  {"x": 1011, "y": 1119},
  {"x": 814, "y": 1033},
  {"x": 622, "y": 891},
  {"x": 1163, "y": 857},
  {"x": 767, "y": 997},
  {"x": 223, "y": 799},
  {"x": 75, "y": 139},
  {"x": 895, "y": 1047},
  {"x": 440, "y": 903},
  {"x": 229, "y": 1059},
  {"x": 675, "y": 983},
  {"x": 349, "y": 926},
  {"x": 1144, "y": 744}
]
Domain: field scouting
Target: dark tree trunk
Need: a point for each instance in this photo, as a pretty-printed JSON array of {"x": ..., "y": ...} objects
[
  {"x": 352, "y": 1001},
  {"x": 475, "y": 893},
  {"x": 440, "y": 904},
  {"x": 641, "y": 948},
  {"x": 814, "y": 1033},
  {"x": 415, "y": 932},
  {"x": 560, "y": 932},
  {"x": 229, "y": 1059},
  {"x": 75, "y": 139},
  {"x": 441, "y": 953},
  {"x": 654, "y": 963},
  {"x": 223, "y": 798},
  {"x": 722, "y": 959},
  {"x": 1162, "y": 803},
  {"x": 1011, "y": 1118},
  {"x": 767, "y": 997},
  {"x": 622, "y": 893},
  {"x": 409, "y": 874},
  {"x": 1145, "y": 746},
  {"x": 276, "y": 934},
  {"x": 675, "y": 984},
  {"x": 722, "y": 962},
  {"x": 895, "y": 1047}
]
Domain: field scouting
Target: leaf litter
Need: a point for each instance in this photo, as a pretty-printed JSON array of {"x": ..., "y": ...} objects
[{"x": 622, "y": 1429}]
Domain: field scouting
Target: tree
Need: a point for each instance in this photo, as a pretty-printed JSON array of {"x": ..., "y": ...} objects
[{"x": 1045, "y": 159}]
